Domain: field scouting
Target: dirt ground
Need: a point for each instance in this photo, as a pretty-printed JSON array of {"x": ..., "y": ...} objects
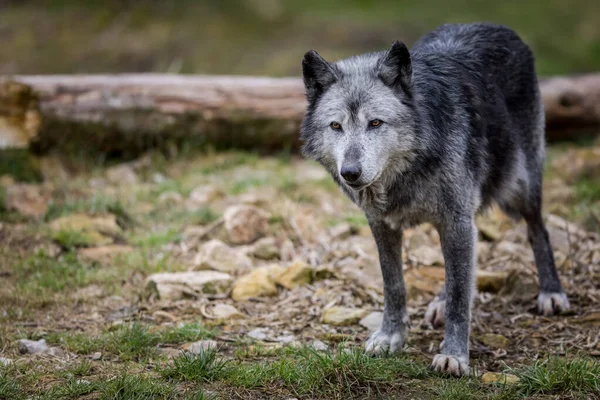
[{"x": 276, "y": 258}]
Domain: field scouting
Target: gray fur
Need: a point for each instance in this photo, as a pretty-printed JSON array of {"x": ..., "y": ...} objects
[{"x": 463, "y": 128}]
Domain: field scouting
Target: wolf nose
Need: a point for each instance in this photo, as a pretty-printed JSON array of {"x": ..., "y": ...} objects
[{"x": 351, "y": 173}]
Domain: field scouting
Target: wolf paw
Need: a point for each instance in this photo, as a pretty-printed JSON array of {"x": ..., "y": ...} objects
[
  {"x": 450, "y": 365},
  {"x": 435, "y": 314},
  {"x": 381, "y": 342},
  {"x": 552, "y": 303}
]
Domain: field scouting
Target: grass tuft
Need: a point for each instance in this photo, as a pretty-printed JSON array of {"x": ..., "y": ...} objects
[
  {"x": 559, "y": 376},
  {"x": 205, "y": 366}
]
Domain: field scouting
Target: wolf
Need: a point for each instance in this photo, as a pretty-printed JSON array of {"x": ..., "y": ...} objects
[{"x": 436, "y": 134}]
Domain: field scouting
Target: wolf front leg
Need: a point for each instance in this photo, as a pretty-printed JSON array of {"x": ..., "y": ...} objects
[
  {"x": 392, "y": 334},
  {"x": 458, "y": 238}
]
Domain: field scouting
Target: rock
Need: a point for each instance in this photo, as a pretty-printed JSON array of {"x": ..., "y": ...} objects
[
  {"x": 170, "y": 197},
  {"x": 491, "y": 281},
  {"x": 200, "y": 346},
  {"x": 287, "y": 251},
  {"x": 177, "y": 285},
  {"x": 54, "y": 352},
  {"x": 364, "y": 271},
  {"x": 91, "y": 231},
  {"x": 285, "y": 338},
  {"x": 428, "y": 255},
  {"x": 342, "y": 231},
  {"x": 245, "y": 224},
  {"x": 260, "y": 282},
  {"x": 266, "y": 249},
  {"x": 494, "y": 340},
  {"x": 295, "y": 275},
  {"x": 318, "y": 345},
  {"x": 258, "y": 333},
  {"x": 372, "y": 321},
  {"x": 226, "y": 311},
  {"x": 5, "y": 362},
  {"x": 203, "y": 195},
  {"x": 96, "y": 356},
  {"x": 341, "y": 316},
  {"x": 27, "y": 346},
  {"x": 122, "y": 174},
  {"x": 27, "y": 199},
  {"x": 424, "y": 280},
  {"x": 218, "y": 256},
  {"x": 497, "y": 377},
  {"x": 104, "y": 254}
]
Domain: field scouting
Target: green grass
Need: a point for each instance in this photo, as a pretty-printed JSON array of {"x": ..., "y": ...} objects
[
  {"x": 206, "y": 366},
  {"x": 130, "y": 342},
  {"x": 465, "y": 388},
  {"x": 40, "y": 274},
  {"x": 560, "y": 376},
  {"x": 130, "y": 386},
  {"x": 10, "y": 388},
  {"x": 158, "y": 239}
]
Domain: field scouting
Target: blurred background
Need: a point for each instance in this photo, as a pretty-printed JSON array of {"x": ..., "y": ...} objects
[{"x": 267, "y": 37}]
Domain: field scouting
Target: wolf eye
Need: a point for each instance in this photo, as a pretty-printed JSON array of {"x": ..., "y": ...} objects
[
  {"x": 335, "y": 126},
  {"x": 375, "y": 123}
]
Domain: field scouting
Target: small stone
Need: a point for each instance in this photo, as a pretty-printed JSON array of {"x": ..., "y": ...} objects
[
  {"x": 428, "y": 255},
  {"x": 5, "y": 362},
  {"x": 226, "y": 311},
  {"x": 203, "y": 195},
  {"x": 200, "y": 346},
  {"x": 340, "y": 316},
  {"x": 372, "y": 321},
  {"x": 257, "y": 283},
  {"x": 285, "y": 338},
  {"x": 287, "y": 251},
  {"x": 92, "y": 231},
  {"x": 245, "y": 224},
  {"x": 170, "y": 197},
  {"x": 497, "y": 377},
  {"x": 103, "y": 254},
  {"x": 218, "y": 256},
  {"x": 318, "y": 345},
  {"x": 342, "y": 231},
  {"x": 27, "y": 346},
  {"x": 297, "y": 274},
  {"x": 96, "y": 356},
  {"x": 122, "y": 174},
  {"x": 494, "y": 340},
  {"x": 27, "y": 199},
  {"x": 266, "y": 249},
  {"x": 55, "y": 352},
  {"x": 177, "y": 285},
  {"x": 491, "y": 281},
  {"x": 258, "y": 333}
]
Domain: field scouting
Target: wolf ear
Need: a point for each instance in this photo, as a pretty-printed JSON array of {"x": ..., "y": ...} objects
[
  {"x": 395, "y": 68},
  {"x": 318, "y": 75}
]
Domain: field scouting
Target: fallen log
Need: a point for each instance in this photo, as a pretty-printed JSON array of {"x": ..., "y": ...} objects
[{"x": 117, "y": 112}]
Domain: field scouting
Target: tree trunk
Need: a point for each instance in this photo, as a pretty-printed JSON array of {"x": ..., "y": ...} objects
[{"x": 134, "y": 112}]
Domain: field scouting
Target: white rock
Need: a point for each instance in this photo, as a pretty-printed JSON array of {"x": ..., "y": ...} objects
[
  {"x": 27, "y": 346},
  {"x": 372, "y": 321},
  {"x": 226, "y": 311},
  {"x": 318, "y": 345},
  {"x": 5, "y": 362},
  {"x": 200, "y": 346},
  {"x": 245, "y": 224},
  {"x": 218, "y": 256},
  {"x": 177, "y": 285},
  {"x": 258, "y": 333}
]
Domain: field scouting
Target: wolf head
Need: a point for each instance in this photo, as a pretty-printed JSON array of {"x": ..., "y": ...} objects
[{"x": 360, "y": 122}]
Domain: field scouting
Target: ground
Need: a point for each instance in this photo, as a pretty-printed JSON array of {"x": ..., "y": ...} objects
[{"x": 298, "y": 273}]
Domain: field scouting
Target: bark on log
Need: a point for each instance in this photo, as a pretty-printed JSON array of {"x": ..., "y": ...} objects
[{"x": 118, "y": 112}]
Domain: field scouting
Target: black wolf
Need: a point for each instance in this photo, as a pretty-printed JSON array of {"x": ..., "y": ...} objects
[{"x": 435, "y": 135}]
